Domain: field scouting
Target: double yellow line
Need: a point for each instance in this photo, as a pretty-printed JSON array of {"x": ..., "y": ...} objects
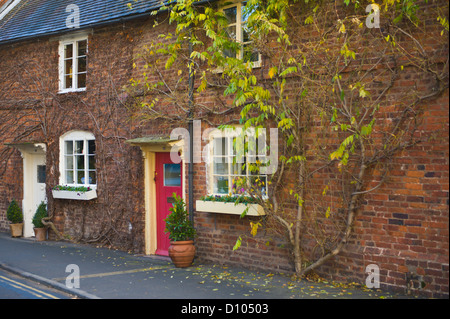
[{"x": 35, "y": 292}]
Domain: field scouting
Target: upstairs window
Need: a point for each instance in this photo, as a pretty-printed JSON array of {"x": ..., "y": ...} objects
[
  {"x": 73, "y": 64},
  {"x": 238, "y": 31}
]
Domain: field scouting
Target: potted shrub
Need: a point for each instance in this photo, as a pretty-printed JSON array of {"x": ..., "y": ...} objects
[
  {"x": 15, "y": 216},
  {"x": 39, "y": 228},
  {"x": 181, "y": 234}
]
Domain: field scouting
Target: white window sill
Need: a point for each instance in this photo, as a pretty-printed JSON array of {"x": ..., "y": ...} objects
[
  {"x": 60, "y": 194},
  {"x": 229, "y": 208},
  {"x": 71, "y": 91}
]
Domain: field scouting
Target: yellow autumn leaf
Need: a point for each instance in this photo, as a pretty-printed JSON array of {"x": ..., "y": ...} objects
[
  {"x": 254, "y": 227},
  {"x": 272, "y": 72},
  {"x": 327, "y": 214}
]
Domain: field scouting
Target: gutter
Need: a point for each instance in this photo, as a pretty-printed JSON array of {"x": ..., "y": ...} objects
[{"x": 191, "y": 135}]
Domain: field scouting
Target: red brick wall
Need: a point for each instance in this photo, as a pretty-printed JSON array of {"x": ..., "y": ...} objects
[{"x": 402, "y": 226}]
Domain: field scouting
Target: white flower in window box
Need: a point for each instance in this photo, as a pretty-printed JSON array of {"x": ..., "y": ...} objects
[
  {"x": 215, "y": 204},
  {"x": 72, "y": 192}
]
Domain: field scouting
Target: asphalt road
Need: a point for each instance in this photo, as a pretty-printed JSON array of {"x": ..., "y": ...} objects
[{"x": 15, "y": 287}]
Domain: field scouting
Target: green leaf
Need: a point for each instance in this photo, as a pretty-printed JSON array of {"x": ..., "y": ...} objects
[
  {"x": 272, "y": 72},
  {"x": 363, "y": 93},
  {"x": 309, "y": 20},
  {"x": 238, "y": 243}
]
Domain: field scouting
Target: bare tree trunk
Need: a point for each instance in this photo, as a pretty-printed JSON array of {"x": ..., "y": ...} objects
[
  {"x": 352, "y": 211},
  {"x": 298, "y": 221},
  {"x": 46, "y": 221}
]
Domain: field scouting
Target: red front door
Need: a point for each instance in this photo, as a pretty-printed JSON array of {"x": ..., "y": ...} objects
[{"x": 168, "y": 181}]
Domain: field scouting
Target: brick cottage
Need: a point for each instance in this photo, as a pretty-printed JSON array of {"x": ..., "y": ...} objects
[{"x": 78, "y": 108}]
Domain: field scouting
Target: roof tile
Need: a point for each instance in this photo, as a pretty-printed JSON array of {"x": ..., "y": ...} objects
[{"x": 34, "y": 18}]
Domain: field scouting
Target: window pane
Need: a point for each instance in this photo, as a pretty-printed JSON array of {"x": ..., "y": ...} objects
[
  {"x": 69, "y": 147},
  {"x": 221, "y": 168},
  {"x": 92, "y": 178},
  {"x": 69, "y": 177},
  {"x": 82, "y": 46},
  {"x": 220, "y": 185},
  {"x": 259, "y": 183},
  {"x": 239, "y": 169},
  {"x": 220, "y": 146},
  {"x": 81, "y": 80},
  {"x": 68, "y": 51},
  {"x": 231, "y": 14},
  {"x": 250, "y": 55},
  {"x": 239, "y": 184},
  {"x": 69, "y": 162},
  {"x": 231, "y": 32},
  {"x": 245, "y": 12},
  {"x": 172, "y": 175},
  {"x": 91, "y": 147},
  {"x": 238, "y": 149},
  {"x": 79, "y": 147},
  {"x": 254, "y": 168},
  {"x": 80, "y": 162},
  {"x": 68, "y": 82},
  {"x": 246, "y": 35},
  {"x": 91, "y": 162},
  {"x": 80, "y": 177},
  {"x": 81, "y": 64},
  {"x": 230, "y": 53},
  {"x": 41, "y": 174},
  {"x": 68, "y": 70}
]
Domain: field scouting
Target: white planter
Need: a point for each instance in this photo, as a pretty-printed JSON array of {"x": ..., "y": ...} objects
[
  {"x": 75, "y": 195},
  {"x": 229, "y": 208}
]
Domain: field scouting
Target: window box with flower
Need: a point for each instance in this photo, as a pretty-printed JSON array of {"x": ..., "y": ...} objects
[
  {"x": 234, "y": 205},
  {"x": 234, "y": 173},
  {"x": 74, "y": 192}
]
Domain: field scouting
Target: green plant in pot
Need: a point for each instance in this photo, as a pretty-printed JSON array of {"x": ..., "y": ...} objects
[
  {"x": 39, "y": 228},
  {"x": 15, "y": 216},
  {"x": 181, "y": 234}
]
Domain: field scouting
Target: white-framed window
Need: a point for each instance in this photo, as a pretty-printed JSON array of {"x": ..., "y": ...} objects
[
  {"x": 237, "y": 30},
  {"x": 73, "y": 64},
  {"x": 77, "y": 159},
  {"x": 235, "y": 161}
]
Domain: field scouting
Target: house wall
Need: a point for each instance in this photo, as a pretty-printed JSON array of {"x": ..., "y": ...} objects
[
  {"x": 402, "y": 226},
  {"x": 33, "y": 111}
]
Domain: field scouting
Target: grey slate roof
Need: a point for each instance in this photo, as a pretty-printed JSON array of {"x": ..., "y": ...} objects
[{"x": 34, "y": 18}]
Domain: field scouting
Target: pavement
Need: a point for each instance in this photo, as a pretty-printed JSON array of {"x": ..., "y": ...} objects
[{"x": 111, "y": 274}]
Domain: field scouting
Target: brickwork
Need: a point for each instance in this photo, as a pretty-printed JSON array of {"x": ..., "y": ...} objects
[{"x": 402, "y": 226}]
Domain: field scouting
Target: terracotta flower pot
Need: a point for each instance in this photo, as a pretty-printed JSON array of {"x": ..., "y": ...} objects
[
  {"x": 40, "y": 233},
  {"x": 182, "y": 253},
  {"x": 16, "y": 230}
]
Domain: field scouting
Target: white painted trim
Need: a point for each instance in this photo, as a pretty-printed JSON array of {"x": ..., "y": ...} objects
[
  {"x": 229, "y": 208},
  {"x": 74, "y": 195},
  {"x": 71, "y": 136},
  {"x": 8, "y": 8},
  {"x": 65, "y": 40},
  {"x": 239, "y": 5},
  {"x": 30, "y": 200},
  {"x": 150, "y": 228}
]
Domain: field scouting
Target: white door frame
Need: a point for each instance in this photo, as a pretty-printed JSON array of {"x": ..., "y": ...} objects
[{"x": 33, "y": 154}]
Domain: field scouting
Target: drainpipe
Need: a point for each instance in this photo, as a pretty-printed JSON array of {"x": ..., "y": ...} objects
[{"x": 191, "y": 134}]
